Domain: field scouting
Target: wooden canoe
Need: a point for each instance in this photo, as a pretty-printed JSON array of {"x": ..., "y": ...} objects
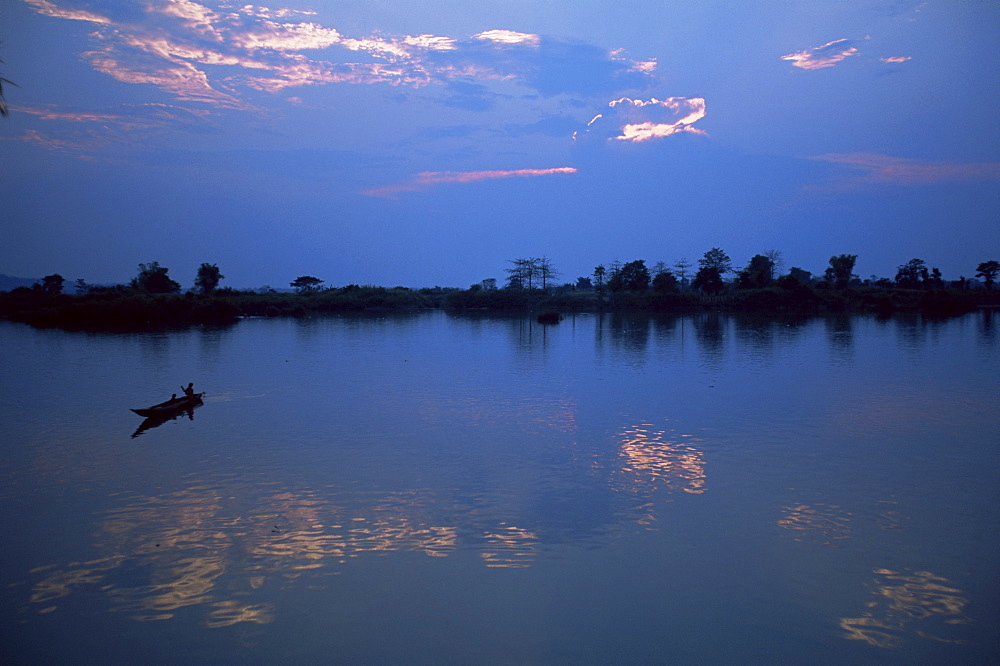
[{"x": 170, "y": 406}]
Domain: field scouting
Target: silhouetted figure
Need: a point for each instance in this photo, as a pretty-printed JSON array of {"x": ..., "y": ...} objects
[{"x": 189, "y": 389}]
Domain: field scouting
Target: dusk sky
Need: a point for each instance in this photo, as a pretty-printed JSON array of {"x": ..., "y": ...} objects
[{"x": 428, "y": 142}]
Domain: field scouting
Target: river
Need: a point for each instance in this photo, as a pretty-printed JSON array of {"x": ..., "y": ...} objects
[{"x": 439, "y": 488}]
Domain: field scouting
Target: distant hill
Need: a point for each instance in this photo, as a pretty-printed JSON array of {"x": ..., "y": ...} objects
[{"x": 8, "y": 282}]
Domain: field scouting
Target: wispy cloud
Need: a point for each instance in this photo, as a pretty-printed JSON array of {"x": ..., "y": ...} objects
[
  {"x": 428, "y": 179},
  {"x": 875, "y": 169},
  {"x": 85, "y": 132},
  {"x": 634, "y": 120},
  {"x": 827, "y": 55},
  {"x": 212, "y": 56},
  {"x": 47, "y": 8},
  {"x": 896, "y": 59}
]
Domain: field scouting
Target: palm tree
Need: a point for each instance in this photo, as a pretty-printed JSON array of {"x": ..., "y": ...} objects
[{"x": 3, "y": 102}]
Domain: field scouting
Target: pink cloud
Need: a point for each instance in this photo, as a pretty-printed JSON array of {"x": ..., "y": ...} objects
[
  {"x": 46, "y": 8},
  {"x": 427, "y": 179},
  {"x": 636, "y": 120},
  {"x": 895, "y": 59},
  {"x": 175, "y": 76},
  {"x": 827, "y": 55},
  {"x": 875, "y": 169},
  {"x": 58, "y": 145}
]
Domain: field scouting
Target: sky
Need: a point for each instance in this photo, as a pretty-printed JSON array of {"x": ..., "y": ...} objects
[{"x": 429, "y": 142}]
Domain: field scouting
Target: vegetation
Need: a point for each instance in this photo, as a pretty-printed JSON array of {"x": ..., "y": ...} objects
[
  {"x": 152, "y": 300},
  {"x": 208, "y": 278},
  {"x": 4, "y": 111}
]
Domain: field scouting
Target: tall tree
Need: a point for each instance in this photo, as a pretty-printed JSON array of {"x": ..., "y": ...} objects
[
  {"x": 4, "y": 111},
  {"x": 683, "y": 265},
  {"x": 634, "y": 276},
  {"x": 840, "y": 271},
  {"x": 912, "y": 275},
  {"x": 600, "y": 279},
  {"x": 935, "y": 281},
  {"x": 153, "y": 279},
  {"x": 52, "y": 284},
  {"x": 712, "y": 267},
  {"x": 208, "y": 278},
  {"x": 523, "y": 273},
  {"x": 546, "y": 271},
  {"x": 988, "y": 270},
  {"x": 777, "y": 262},
  {"x": 614, "y": 281},
  {"x": 306, "y": 283},
  {"x": 757, "y": 274},
  {"x": 664, "y": 282}
]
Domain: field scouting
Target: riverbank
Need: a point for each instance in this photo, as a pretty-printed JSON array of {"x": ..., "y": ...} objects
[{"x": 121, "y": 308}]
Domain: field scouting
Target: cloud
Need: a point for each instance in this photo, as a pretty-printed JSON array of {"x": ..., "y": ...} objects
[
  {"x": 819, "y": 57},
  {"x": 896, "y": 59},
  {"x": 635, "y": 121},
  {"x": 85, "y": 132},
  {"x": 427, "y": 179},
  {"x": 215, "y": 55},
  {"x": 509, "y": 37},
  {"x": 46, "y": 8},
  {"x": 874, "y": 169}
]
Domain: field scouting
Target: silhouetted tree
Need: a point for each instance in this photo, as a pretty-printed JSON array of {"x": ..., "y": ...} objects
[
  {"x": 757, "y": 274},
  {"x": 153, "y": 279},
  {"x": 988, "y": 270},
  {"x": 912, "y": 274},
  {"x": 683, "y": 265},
  {"x": 584, "y": 284},
  {"x": 777, "y": 262},
  {"x": 935, "y": 281},
  {"x": 81, "y": 286},
  {"x": 840, "y": 272},
  {"x": 664, "y": 282},
  {"x": 600, "y": 279},
  {"x": 489, "y": 284},
  {"x": 4, "y": 111},
  {"x": 634, "y": 276},
  {"x": 523, "y": 273},
  {"x": 208, "y": 278},
  {"x": 801, "y": 275},
  {"x": 713, "y": 266},
  {"x": 545, "y": 271},
  {"x": 52, "y": 284},
  {"x": 306, "y": 283}
]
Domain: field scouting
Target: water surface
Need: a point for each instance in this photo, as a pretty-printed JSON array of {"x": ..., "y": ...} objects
[{"x": 433, "y": 488}]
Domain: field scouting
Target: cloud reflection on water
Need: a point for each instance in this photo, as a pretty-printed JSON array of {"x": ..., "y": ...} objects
[
  {"x": 192, "y": 548},
  {"x": 909, "y": 604},
  {"x": 662, "y": 458}
]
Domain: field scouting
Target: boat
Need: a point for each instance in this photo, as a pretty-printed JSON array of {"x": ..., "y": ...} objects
[{"x": 171, "y": 406}]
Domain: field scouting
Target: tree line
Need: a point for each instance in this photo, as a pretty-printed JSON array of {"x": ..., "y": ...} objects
[
  {"x": 152, "y": 299},
  {"x": 716, "y": 274}
]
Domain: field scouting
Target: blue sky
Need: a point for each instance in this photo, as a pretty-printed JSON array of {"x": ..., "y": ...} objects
[{"x": 428, "y": 142}]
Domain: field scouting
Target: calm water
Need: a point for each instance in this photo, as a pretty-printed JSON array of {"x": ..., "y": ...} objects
[{"x": 449, "y": 489}]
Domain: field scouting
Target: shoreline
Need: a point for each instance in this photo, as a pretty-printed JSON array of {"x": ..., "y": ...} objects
[{"x": 123, "y": 309}]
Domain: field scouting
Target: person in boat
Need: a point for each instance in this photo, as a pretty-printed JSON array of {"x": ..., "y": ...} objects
[{"x": 189, "y": 389}]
